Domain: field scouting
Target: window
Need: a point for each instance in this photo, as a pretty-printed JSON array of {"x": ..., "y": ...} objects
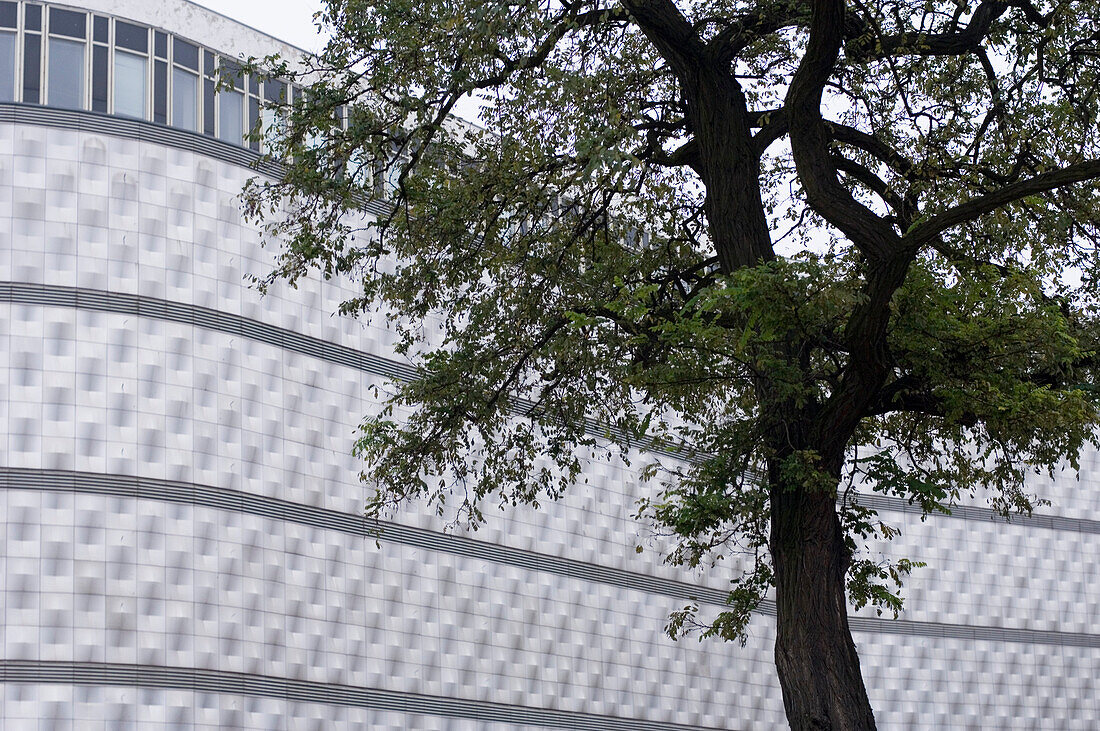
[
  {"x": 231, "y": 103},
  {"x": 7, "y": 67},
  {"x": 9, "y": 18},
  {"x": 184, "y": 54},
  {"x": 32, "y": 53},
  {"x": 254, "y": 122},
  {"x": 99, "y": 77},
  {"x": 101, "y": 29},
  {"x": 65, "y": 68},
  {"x": 276, "y": 95},
  {"x": 209, "y": 82},
  {"x": 130, "y": 82},
  {"x": 65, "y": 85},
  {"x": 160, "y": 77},
  {"x": 160, "y": 91},
  {"x": 231, "y": 116},
  {"x": 185, "y": 85},
  {"x": 68, "y": 23},
  {"x": 185, "y": 99},
  {"x": 74, "y": 59},
  {"x": 9, "y": 14},
  {"x": 134, "y": 37},
  {"x": 131, "y": 69},
  {"x": 32, "y": 17}
]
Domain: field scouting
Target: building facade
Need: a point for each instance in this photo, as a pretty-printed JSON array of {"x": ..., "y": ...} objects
[{"x": 180, "y": 535}]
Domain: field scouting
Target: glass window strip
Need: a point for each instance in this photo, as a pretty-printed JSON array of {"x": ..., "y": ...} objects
[
  {"x": 185, "y": 99},
  {"x": 131, "y": 36},
  {"x": 100, "y": 80},
  {"x": 68, "y": 23},
  {"x": 32, "y": 68},
  {"x": 9, "y": 44},
  {"x": 254, "y": 121},
  {"x": 160, "y": 92},
  {"x": 131, "y": 74},
  {"x": 9, "y": 14},
  {"x": 101, "y": 29},
  {"x": 208, "y": 109},
  {"x": 231, "y": 117},
  {"x": 185, "y": 54},
  {"x": 275, "y": 91},
  {"x": 32, "y": 17},
  {"x": 65, "y": 73},
  {"x": 131, "y": 70}
]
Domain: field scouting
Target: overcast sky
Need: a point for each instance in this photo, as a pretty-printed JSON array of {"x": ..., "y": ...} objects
[
  {"x": 287, "y": 20},
  {"x": 292, "y": 21}
]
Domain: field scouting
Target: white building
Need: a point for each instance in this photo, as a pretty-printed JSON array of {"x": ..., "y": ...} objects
[{"x": 180, "y": 540}]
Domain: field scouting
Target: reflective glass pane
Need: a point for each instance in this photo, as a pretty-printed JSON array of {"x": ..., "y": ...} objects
[
  {"x": 160, "y": 92},
  {"x": 65, "y": 86},
  {"x": 208, "y": 107},
  {"x": 134, "y": 37},
  {"x": 8, "y": 14},
  {"x": 129, "y": 84},
  {"x": 253, "y": 120},
  {"x": 7, "y": 67},
  {"x": 185, "y": 99},
  {"x": 185, "y": 54},
  {"x": 231, "y": 116},
  {"x": 230, "y": 73},
  {"x": 68, "y": 23},
  {"x": 275, "y": 91},
  {"x": 99, "y": 78},
  {"x": 274, "y": 126},
  {"x": 32, "y": 67},
  {"x": 32, "y": 18},
  {"x": 100, "y": 29}
]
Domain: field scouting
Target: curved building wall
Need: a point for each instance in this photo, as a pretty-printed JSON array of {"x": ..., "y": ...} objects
[{"x": 179, "y": 513}]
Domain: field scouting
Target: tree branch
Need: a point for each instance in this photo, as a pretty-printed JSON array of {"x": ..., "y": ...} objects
[
  {"x": 685, "y": 154},
  {"x": 872, "y": 145},
  {"x": 670, "y": 32},
  {"x": 902, "y": 207},
  {"x": 570, "y": 20},
  {"x": 810, "y": 138},
  {"x": 742, "y": 31},
  {"x": 872, "y": 46},
  {"x": 922, "y": 233}
]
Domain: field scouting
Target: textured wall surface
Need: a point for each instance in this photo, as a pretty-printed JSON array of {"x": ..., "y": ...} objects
[{"x": 180, "y": 544}]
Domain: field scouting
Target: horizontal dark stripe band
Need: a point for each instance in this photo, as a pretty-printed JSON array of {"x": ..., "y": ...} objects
[
  {"x": 47, "y": 295},
  {"x": 146, "y": 488},
  {"x": 306, "y": 691},
  {"x": 143, "y": 131}
]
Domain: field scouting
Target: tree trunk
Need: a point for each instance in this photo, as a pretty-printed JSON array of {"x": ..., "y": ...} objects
[{"x": 814, "y": 653}]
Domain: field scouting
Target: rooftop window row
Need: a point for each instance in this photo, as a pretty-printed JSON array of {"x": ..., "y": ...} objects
[{"x": 73, "y": 59}]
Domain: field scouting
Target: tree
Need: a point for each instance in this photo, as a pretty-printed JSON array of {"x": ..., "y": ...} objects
[{"x": 804, "y": 243}]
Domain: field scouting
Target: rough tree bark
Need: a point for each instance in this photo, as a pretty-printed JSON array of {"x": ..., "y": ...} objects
[
  {"x": 710, "y": 126},
  {"x": 815, "y": 656},
  {"x": 814, "y": 652}
]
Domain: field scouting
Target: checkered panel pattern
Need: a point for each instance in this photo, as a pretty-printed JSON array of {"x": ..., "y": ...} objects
[{"x": 89, "y": 578}]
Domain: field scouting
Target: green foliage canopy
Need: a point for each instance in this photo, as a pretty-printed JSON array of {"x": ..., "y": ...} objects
[{"x": 804, "y": 244}]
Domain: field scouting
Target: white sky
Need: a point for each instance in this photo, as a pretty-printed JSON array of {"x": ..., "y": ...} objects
[
  {"x": 287, "y": 20},
  {"x": 292, "y": 21}
]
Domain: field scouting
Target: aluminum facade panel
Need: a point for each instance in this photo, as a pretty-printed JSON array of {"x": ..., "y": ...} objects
[{"x": 230, "y": 587}]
